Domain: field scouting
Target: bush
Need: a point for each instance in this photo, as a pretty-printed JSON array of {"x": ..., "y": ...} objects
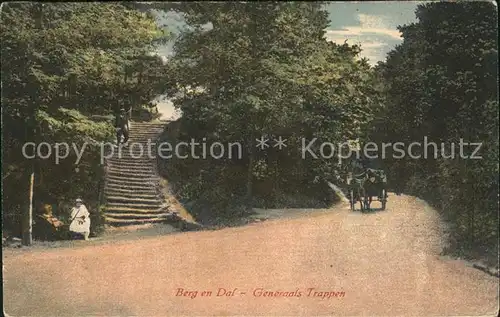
[{"x": 97, "y": 220}]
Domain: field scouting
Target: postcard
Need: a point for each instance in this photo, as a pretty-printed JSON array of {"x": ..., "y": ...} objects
[{"x": 250, "y": 158}]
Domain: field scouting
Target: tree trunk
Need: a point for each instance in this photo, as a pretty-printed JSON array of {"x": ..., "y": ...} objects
[
  {"x": 251, "y": 163},
  {"x": 276, "y": 185},
  {"x": 471, "y": 228},
  {"x": 28, "y": 217},
  {"x": 27, "y": 221}
]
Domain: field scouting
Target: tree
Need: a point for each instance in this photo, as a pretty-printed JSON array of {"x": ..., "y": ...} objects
[
  {"x": 63, "y": 63},
  {"x": 264, "y": 69},
  {"x": 441, "y": 83}
]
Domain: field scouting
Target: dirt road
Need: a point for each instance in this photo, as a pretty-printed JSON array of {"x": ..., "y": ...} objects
[{"x": 383, "y": 263}]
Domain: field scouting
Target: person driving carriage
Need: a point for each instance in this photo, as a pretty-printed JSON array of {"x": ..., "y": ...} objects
[
  {"x": 365, "y": 163},
  {"x": 359, "y": 165}
]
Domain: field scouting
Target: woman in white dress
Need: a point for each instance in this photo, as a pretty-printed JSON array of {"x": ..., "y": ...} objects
[{"x": 80, "y": 220}]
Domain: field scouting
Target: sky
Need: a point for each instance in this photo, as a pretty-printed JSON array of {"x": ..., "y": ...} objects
[{"x": 373, "y": 25}]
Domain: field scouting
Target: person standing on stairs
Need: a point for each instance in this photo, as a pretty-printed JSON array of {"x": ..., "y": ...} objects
[
  {"x": 80, "y": 221},
  {"x": 122, "y": 126}
]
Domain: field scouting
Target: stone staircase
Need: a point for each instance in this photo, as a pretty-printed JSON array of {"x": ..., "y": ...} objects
[{"x": 132, "y": 188}]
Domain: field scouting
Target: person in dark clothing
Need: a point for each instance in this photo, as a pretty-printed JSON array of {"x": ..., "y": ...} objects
[
  {"x": 359, "y": 165},
  {"x": 368, "y": 163},
  {"x": 46, "y": 226},
  {"x": 122, "y": 126}
]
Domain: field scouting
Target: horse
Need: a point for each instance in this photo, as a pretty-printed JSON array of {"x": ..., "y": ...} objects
[
  {"x": 364, "y": 183},
  {"x": 375, "y": 184},
  {"x": 357, "y": 190}
]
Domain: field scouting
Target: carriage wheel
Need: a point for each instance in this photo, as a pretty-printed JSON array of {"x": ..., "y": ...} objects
[
  {"x": 367, "y": 204},
  {"x": 384, "y": 199},
  {"x": 362, "y": 203},
  {"x": 351, "y": 199}
]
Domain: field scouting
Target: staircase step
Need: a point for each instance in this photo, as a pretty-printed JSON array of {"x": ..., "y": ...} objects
[
  {"x": 133, "y": 165},
  {"x": 132, "y": 147},
  {"x": 146, "y": 167},
  {"x": 144, "y": 136},
  {"x": 130, "y": 222},
  {"x": 151, "y": 166},
  {"x": 143, "y": 194},
  {"x": 135, "y": 147},
  {"x": 134, "y": 174},
  {"x": 122, "y": 206},
  {"x": 148, "y": 126},
  {"x": 122, "y": 168},
  {"x": 133, "y": 177},
  {"x": 148, "y": 189},
  {"x": 131, "y": 174},
  {"x": 136, "y": 216},
  {"x": 135, "y": 188},
  {"x": 146, "y": 129},
  {"x": 130, "y": 162},
  {"x": 139, "y": 132},
  {"x": 135, "y": 155},
  {"x": 145, "y": 156},
  {"x": 159, "y": 125},
  {"x": 123, "y": 210},
  {"x": 150, "y": 123},
  {"x": 144, "y": 142},
  {"x": 133, "y": 200},
  {"x": 132, "y": 184},
  {"x": 114, "y": 190},
  {"x": 150, "y": 194}
]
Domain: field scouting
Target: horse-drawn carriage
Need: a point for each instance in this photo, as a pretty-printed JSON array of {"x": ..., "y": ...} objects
[{"x": 363, "y": 184}]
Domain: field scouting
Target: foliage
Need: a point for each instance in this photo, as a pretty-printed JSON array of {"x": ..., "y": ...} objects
[
  {"x": 245, "y": 70},
  {"x": 62, "y": 65},
  {"x": 441, "y": 83}
]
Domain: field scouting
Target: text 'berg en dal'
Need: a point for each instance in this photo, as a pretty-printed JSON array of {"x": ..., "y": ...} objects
[{"x": 260, "y": 292}]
